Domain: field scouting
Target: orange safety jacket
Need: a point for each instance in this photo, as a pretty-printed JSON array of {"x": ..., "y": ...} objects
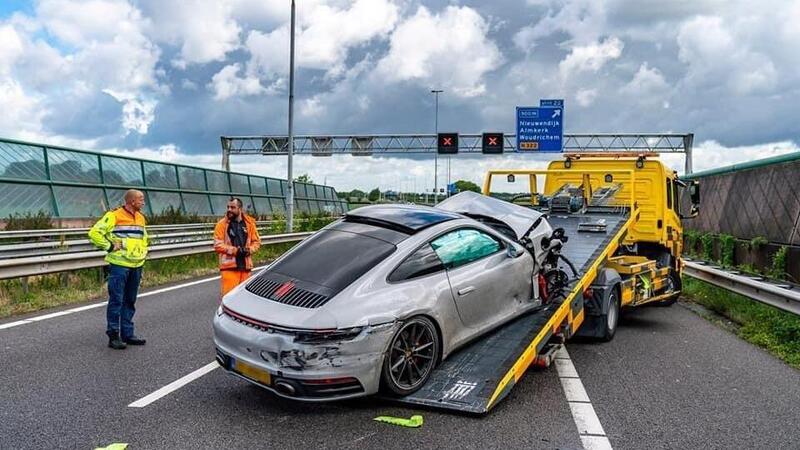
[{"x": 227, "y": 251}]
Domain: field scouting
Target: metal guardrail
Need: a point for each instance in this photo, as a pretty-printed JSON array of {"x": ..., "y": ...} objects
[
  {"x": 58, "y": 232},
  {"x": 780, "y": 294},
  {"x": 48, "y": 247},
  {"x": 44, "y": 264}
]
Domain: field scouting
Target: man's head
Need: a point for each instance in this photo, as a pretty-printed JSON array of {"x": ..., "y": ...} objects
[
  {"x": 134, "y": 199},
  {"x": 234, "y": 208}
]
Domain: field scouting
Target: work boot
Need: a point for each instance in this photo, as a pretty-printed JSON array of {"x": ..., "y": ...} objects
[
  {"x": 134, "y": 340},
  {"x": 114, "y": 341}
]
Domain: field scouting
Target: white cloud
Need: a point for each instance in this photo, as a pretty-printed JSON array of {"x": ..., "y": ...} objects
[
  {"x": 137, "y": 113},
  {"x": 10, "y": 48},
  {"x": 109, "y": 47},
  {"x": 585, "y": 97},
  {"x": 227, "y": 83},
  {"x": 647, "y": 82},
  {"x": 81, "y": 22},
  {"x": 204, "y": 29},
  {"x": 716, "y": 57},
  {"x": 432, "y": 49},
  {"x": 20, "y": 111},
  {"x": 584, "y": 20},
  {"x": 324, "y": 37},
  {"x": 591, "y": 57},
  {"x": 311, "y": 107}
]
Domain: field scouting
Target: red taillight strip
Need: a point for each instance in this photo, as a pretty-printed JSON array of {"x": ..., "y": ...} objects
[{"x": 252, "y": 321}]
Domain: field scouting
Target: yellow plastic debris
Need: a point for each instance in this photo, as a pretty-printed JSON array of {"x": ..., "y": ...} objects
[
  {"x": 116, "y": 446},
  {"x": 413, "y": 422}
]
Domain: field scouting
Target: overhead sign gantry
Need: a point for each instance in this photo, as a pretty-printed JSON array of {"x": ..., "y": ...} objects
[{"x": 470, "y": 143}]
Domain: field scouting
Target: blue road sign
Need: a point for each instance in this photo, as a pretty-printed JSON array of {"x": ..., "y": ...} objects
[
  {"x": 540, "y": 129},
  {"x": 544, "y": 103},
  {"x": 451, "y": 188}
]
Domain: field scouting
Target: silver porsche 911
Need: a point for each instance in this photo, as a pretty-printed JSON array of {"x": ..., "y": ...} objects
[{"x": 375, "y": 300}]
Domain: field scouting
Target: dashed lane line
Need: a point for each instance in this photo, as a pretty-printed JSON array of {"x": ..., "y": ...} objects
[
  {"x": 174, "y": 386},
  {"x": 593, "y": 437}
]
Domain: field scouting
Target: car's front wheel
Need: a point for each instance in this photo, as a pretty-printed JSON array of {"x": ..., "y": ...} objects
[{"x": 411, "y": 357}]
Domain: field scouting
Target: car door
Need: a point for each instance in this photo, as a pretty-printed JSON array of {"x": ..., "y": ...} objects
[{"x": 486, "y": 283}]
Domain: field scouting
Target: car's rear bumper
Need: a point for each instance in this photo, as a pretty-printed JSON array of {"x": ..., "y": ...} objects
[{"x": 312, "y": 372}]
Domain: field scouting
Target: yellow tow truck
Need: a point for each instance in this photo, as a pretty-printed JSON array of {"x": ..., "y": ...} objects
[{"x": 620, "y": 222}]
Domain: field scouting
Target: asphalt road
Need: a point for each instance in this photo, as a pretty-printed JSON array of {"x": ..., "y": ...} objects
[{"x": 670, "y": 379}]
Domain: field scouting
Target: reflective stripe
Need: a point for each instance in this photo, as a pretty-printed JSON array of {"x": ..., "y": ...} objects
[
  {"x": 128, "y": 234},
  {"x": 129, "y": 228}
]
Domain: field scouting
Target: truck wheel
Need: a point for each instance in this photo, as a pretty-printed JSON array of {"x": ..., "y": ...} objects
[
  {"x": 411, "y": 357},
  {"x": 673, "y": 284},
  {"x": 611, "y": 318}
]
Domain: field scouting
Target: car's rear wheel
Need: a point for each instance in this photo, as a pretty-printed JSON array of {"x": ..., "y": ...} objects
[{"x": 411, "y": 357}]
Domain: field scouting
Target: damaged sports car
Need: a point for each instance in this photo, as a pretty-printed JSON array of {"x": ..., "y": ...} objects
[{"x": 375, "y": 300}]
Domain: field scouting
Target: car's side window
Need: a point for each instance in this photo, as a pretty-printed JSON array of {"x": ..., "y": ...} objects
[
  {"x": 422, "y": 262},
  {"x": 464, "y": 246}
]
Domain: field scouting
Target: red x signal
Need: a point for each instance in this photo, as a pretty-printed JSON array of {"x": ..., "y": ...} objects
[
  {"x": 492, "y": 143},
  {"x": 448, "y": 143}
]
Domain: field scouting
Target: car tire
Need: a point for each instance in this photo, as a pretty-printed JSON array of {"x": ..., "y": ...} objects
[{"x": 411, "y": 357}]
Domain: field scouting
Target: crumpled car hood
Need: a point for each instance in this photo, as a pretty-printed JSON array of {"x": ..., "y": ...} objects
[{"x": 518, "y": 218}]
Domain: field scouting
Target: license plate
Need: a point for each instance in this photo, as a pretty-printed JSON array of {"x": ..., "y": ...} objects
[{"x": 252, "y": 372}]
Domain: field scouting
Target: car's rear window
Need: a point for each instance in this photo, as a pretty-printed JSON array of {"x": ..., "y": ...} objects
[{"x": 333, "y": 259}]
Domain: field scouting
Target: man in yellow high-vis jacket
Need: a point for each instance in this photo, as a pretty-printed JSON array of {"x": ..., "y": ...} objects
[{"x": 122, "y": 233}]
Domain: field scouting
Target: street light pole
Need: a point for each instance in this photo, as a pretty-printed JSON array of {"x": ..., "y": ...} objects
[
  {"x": 289, "y": 176},
  {"x": 436, "y": 92}
]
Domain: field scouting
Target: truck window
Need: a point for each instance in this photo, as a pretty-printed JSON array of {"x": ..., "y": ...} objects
[
  {"x": 675, "y": 197},
  {"x": 669, "y": 193}
]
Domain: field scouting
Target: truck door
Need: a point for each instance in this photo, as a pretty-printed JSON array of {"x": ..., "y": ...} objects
[{"x": 487, "y": 284}]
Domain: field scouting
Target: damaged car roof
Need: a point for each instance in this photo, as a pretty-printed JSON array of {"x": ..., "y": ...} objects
[{"x": 518, "y": 218}]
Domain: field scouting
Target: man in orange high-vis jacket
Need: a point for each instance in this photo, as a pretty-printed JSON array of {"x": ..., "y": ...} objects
[{"x": 235, "y": 240}]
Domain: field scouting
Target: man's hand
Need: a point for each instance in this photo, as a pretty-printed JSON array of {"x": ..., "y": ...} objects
[
  {"x": 244, "y": 251},
  {"x": 116, "y": 245}
]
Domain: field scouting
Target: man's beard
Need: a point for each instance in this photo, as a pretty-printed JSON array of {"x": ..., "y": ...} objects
[{"x": 231, "y": 215}]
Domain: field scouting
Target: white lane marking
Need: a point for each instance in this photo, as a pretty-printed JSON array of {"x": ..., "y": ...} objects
[
  {"x": 174, "y": 386},
  {"x": 595, "y": 443},
  {"x": 14, "y": 324},
  {"x": 565, "y": 368},
  {"x": 104, "y": 303},
  {"x": 593, "y": 437},
  {"x": 573, "y": 389}
]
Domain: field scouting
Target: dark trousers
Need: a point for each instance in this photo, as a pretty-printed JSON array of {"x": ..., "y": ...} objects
[{"x": 123, "y": 286}]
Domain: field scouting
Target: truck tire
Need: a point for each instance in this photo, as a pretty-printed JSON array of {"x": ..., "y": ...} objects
[
  {"x": 611, "y": 318},
  {"x": 673, "y": 284},
  {"x": 602, "y": 327}
]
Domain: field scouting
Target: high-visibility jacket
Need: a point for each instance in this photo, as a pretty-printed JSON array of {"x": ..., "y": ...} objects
[
  {"x": 227, "y": 251},
  {"x": 119, "y": 225}
]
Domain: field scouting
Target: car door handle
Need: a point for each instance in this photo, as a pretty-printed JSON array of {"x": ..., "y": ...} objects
[{"x": 466, "y": 290}]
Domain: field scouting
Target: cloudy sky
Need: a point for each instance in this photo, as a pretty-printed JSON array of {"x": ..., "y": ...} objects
[{"x": 164, "y": 79}]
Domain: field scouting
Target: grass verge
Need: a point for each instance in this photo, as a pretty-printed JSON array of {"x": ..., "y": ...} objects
[{"x": 770, "y": 328}]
